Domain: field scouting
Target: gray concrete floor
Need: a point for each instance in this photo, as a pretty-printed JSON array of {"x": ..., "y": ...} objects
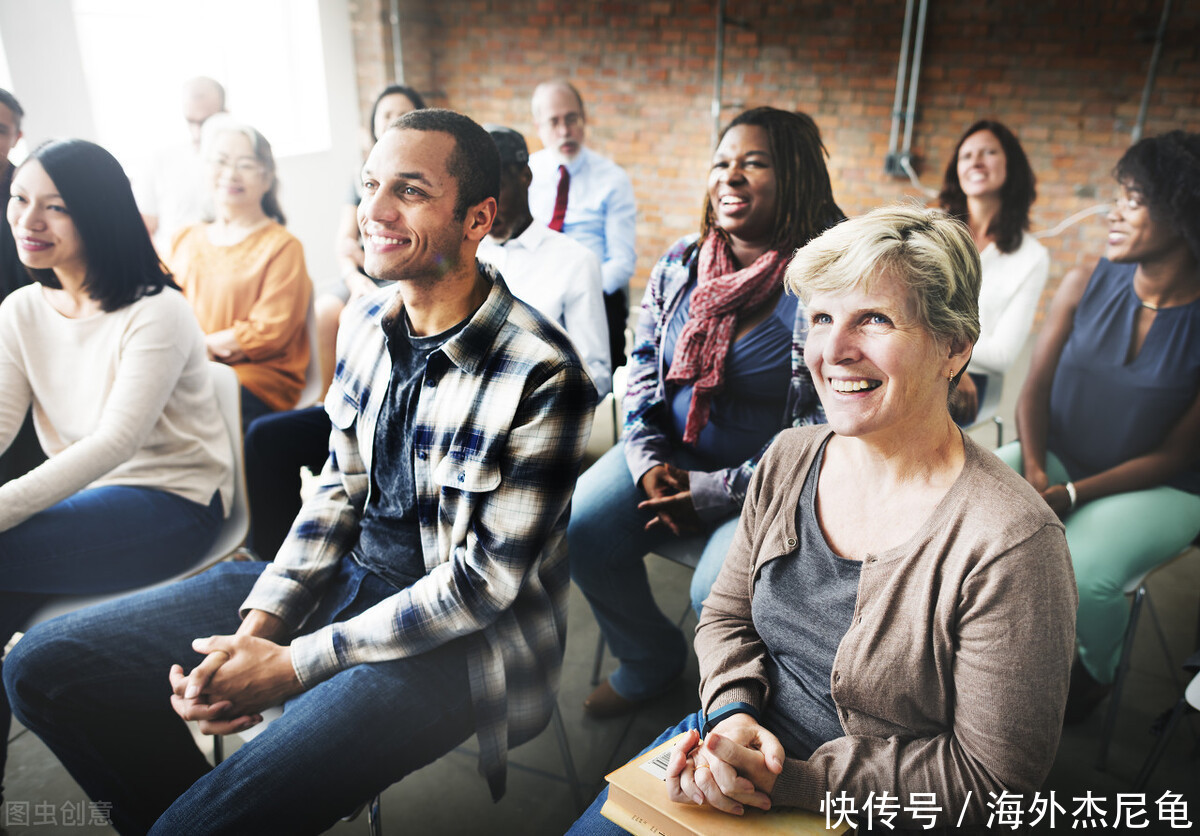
[{"x": 449, "y": 797}]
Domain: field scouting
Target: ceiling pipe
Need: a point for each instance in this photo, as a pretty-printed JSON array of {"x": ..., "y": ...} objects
[
  {"x": 918, "y": 48},
  {"x": 901, "y": 74},
  {"x": 899, "y": 161},
  {"x": 1152, "y": 73},
  {"x": 397, "y": 47},
  {"x": 718, "y": 74}
]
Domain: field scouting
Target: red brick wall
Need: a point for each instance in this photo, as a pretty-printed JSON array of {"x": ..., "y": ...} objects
[{"x": 1066, "y": 75}]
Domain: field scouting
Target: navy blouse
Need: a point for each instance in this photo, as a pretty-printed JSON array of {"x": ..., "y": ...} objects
[{"x": 1104, "y": 410}]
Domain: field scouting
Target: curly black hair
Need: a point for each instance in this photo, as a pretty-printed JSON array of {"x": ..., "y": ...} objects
[
  {"x": 1016, "y": 195},
  {"x": 804, "y": 204},
  {"x": 1166, "y": 170}
]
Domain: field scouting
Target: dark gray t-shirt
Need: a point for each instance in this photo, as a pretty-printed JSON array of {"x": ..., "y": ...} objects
[
  {"x": 389, "y": 538},
  {"x": 803, "y": 605}
]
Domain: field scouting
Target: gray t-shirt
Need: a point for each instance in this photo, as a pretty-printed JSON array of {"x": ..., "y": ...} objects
[
  {"x": 803, "y": 605},
  {"x": 389, "y": 539}
]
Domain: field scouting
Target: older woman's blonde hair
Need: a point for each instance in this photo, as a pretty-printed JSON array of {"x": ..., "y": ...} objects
[{"x": 933, "y": 254}]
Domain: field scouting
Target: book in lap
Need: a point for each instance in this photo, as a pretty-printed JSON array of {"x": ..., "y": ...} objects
[{"x": 638, "y": 803}]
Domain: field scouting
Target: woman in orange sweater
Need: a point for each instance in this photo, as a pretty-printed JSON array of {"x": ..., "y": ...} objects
[{"x": 244, "y": 273}]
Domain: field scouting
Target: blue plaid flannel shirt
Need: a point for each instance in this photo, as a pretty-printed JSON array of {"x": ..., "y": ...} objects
[{"x": 501, "y": 426}]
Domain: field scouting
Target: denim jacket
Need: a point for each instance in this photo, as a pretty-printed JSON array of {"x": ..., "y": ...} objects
[{"x": 718, "y": 493}]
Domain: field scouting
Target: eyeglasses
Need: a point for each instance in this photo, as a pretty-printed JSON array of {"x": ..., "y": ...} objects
[
  {"x": 570, "y": 120},
  {"x": 247, "y": 166}
]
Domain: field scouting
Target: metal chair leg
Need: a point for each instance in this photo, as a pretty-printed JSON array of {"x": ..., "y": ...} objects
[
  {"x": 374, "y": 820},
  {"x": 1160, "y": 746},
  {"x": 1162, "y": 642},
  {"x": 599, "y": 661},
  {"x": 1114, "y": 699},
  {"x": 564, "y": 748}
]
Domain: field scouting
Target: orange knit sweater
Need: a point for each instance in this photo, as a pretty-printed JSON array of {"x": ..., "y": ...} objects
[{"x": 260, "y": 288}]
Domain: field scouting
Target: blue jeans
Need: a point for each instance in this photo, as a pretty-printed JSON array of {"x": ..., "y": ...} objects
[
  {"x": 608, "y": 542},
  {"x": 98, "y": 541},
  {"x": 591, "y": 823},
  {"x": 277, "y": 446},
  {"x": 253, "y": 408},
  {"x": 93, "y": 686}
]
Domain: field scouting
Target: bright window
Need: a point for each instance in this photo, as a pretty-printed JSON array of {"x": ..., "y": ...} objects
[
  {"x": 19, "y": 151},
  {"x": 267, "y": 53}
]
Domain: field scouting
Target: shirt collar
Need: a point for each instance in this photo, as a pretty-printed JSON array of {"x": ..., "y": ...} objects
[
  {"x": 576, "y": 165},
  {"x": 469, "y": 348},
  {"x": 530, "y": 239}
]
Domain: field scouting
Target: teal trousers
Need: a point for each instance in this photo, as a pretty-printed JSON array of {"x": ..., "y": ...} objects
[{"x": 1114, "y": 540}]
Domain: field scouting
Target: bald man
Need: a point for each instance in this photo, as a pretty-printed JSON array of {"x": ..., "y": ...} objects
[
  {"x": 586, "y": 196},
  {"x": 170, "y": 193}
]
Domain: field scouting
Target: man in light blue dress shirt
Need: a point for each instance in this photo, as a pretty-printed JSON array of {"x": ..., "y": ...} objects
[{"x": 600, "y": 208}]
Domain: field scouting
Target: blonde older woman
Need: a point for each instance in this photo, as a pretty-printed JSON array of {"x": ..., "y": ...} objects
[{"x": 896, "y": 613}]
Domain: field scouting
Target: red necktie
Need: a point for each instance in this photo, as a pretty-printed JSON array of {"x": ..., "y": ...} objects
[{"x": 560, "y": 199}]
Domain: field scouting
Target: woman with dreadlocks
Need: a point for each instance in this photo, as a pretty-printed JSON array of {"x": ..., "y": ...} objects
[{"x": 717, "y": 370}]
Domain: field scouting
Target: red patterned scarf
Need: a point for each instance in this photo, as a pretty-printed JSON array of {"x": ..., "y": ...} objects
[{"x": 722, "y": 293}]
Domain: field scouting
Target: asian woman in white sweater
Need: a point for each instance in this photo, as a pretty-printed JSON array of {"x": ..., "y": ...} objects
[{"x": 107, "y": 352}]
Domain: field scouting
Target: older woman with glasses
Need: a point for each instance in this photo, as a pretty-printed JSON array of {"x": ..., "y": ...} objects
[
  {"x": 244, "y": 273},
  {"x": 896, "y": 613}
]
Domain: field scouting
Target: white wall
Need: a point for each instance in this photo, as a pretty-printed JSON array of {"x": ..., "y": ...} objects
[{"x": 41, "y": 44}]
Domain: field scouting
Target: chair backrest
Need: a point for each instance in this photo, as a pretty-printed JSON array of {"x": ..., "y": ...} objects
[
  {"x": 233, "y": 530},
  {"x": 237, "y": 525},
  {"x": 311, "y": 394}
]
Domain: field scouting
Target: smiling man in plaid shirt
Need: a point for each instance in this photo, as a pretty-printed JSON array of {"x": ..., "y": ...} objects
[{"x": 421, "y": 594}]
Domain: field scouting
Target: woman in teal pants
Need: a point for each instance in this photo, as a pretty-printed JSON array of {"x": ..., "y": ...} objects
[{"x": 1109, "y": 417}]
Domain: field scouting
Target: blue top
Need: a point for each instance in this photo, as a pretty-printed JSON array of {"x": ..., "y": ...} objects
[
  {"x": 1105, "y": 411},
  {"x": 758, "y": 373}
]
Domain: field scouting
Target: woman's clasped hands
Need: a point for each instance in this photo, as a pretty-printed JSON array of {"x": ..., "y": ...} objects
[
  {"x": 669, "y": 489},
  {"x": 734, "y": 767}
]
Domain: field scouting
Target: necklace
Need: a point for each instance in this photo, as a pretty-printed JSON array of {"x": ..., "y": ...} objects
[{"x": 1150, "y": 306}]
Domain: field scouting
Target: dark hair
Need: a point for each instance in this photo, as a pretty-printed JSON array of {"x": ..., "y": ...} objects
[
  {"x": 122, "y": 265},
  {"x": 474, "y": 162},
  {"x": 223, "y": 123},
  {"x": 392, "y": 89},
  {"x": 1166, "y": 170},
  {"x": 1016, "y": 195},
  {"x": 10, "y": 101},
  {"x": 804, "y": 205}
]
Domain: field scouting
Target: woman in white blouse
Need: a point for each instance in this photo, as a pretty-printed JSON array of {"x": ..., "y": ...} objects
[
  {"x": 989, "y": 186},
  {"x": 107, "y": 351}
]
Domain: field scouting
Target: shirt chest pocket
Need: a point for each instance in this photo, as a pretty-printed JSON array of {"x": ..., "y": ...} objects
[
  {"x": 342, "y": 413},
  {"x": 466, "y": 474}
]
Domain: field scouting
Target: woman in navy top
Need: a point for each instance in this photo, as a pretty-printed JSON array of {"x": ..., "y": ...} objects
[
  {"x": 1109, "y": 417},
  {"x": 716, "y": 372}
]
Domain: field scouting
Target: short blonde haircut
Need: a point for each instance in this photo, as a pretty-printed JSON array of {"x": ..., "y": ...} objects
[{"x": 933, "y": 254}]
